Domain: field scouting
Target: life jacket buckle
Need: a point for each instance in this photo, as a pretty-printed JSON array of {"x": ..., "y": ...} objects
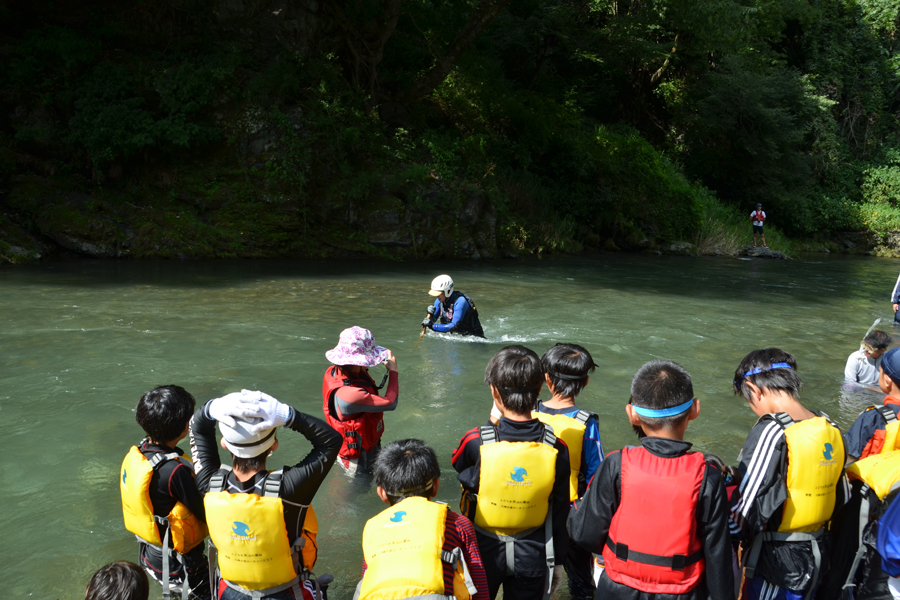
[
  {"x": 678, "y": 561},
  {"x": 622, "y": 552}
]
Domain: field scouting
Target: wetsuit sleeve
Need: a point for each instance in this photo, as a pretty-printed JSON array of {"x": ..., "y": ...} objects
[
  {"x": 183, "y": 487},
  {"x": 354, "y": 400},
  {"x": 204, "y": 451},
  {"x": 466, "y": 460},
  {"x": 851, "y": 370},
  {"x": 301, "y": 482},
  {"x": 592, "y": 451},
  {"x": 714, "y": 535},
  {"x": 460, "y": 307},
  {"x": 590, "y": 517},
  {"x": 861, "y": 432},
  {"x": 762, "y": 490},
  {"x": 465, "y": 533},
  {"x": 561, "y": 497}
]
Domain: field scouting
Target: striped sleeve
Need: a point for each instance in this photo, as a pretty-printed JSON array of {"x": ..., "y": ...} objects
[
  {"x": 762, "y": 490},
  {"x": 459, "y": 533}
]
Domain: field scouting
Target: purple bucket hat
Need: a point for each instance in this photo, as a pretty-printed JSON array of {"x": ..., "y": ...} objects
[{"x": 356, "y": 347}]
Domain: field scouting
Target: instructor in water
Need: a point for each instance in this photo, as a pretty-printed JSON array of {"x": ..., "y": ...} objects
[{"x": 452, "y": 312}]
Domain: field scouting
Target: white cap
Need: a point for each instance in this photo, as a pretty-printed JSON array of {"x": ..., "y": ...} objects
[{"x": 244, "y": 444}]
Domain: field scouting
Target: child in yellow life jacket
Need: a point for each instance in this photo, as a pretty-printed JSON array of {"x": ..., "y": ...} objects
[
  {"x": 515, "y": 480},
  {"x": 875, "y": 429},
  {"x": 160, "y": 500},
  {"x": 417, "y": 547},
  {"x": 261, "y": 522},
  {"x": 790, "y": 481},
  {"x": 658, "y": 512},
  {"x": 566, "y": 371}
]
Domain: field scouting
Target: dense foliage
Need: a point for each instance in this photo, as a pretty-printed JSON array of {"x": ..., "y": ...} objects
[{"x": 584, "y": 121}]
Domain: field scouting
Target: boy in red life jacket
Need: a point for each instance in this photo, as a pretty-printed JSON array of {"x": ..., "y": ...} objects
[
  {"x": 791, "y": 481},
  {"x": 350, "y": 397},
  {"x": 515, "y": 480},
  {"x": 407, "y": 476},
  {"x": 658, "y": 512},
  {"x": 867, "y": 434},
  {"x": 759, "y": 218}
]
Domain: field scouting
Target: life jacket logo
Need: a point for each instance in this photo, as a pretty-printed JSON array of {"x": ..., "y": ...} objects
[
  {"x": 124, "y": 475},
  {"x": 397, "y": 519},
  {"x": 827, "y": 453},
  {"x": 518, "y": 477},
  {"x": 241, "y": 532}
]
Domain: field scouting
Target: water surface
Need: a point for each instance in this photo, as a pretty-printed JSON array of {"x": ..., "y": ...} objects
[{"x": 80, "y": 341}]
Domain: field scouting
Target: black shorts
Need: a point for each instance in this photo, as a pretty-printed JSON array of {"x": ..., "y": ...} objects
[{"x": 757, "y": 229}]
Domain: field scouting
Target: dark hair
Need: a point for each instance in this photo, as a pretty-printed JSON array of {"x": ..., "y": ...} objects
[
  {"x": 250, "y": 465},
  {"x": 120, "y": 580},
  {"x": 517, "y": 374},
  {"x": 164, "y": 412},
  {"x": 406, "y": 468},
  {"x": 661, "y": 384},
  {"x": 785, "y": 380},
  {"x": 879, "y": 340},
  {"x": 568, "y": 366}
]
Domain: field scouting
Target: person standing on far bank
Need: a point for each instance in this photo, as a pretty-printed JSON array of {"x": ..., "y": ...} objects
[
  {"x": 895, "y": 300},
  {"x": 758, "y": 217}
]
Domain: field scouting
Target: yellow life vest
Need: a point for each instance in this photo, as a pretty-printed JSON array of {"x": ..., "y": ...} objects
[
  {"x": 515, "y": 483},
  {"x": 403, "y": 548},
  {"x": 815, "y": 463},
  {"x": 251, "y": 538},
  {"x": 571, "y": 430},
  {"x": 187, "y": 530},
  {"x": 879, "y": 471}
]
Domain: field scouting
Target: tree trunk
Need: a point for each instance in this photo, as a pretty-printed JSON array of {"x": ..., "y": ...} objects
[{"x": 477, "y": 23}]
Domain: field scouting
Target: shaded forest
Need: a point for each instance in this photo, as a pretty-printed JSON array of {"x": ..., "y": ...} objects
[{"x": 420, "y": 129}]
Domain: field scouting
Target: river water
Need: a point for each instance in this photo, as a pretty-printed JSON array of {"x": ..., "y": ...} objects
[{"x": 81, "y": 341}]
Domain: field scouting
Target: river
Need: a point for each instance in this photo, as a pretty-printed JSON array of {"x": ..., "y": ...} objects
[{"x": 81, "y": 341}]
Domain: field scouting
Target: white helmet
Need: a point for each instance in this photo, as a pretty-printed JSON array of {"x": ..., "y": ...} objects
[{"x": 441, "y": 283}]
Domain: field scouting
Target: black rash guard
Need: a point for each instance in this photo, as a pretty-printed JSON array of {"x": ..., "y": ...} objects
[
  {"x": 299, "y": 483},
  {"x": 591, "y": 517}
]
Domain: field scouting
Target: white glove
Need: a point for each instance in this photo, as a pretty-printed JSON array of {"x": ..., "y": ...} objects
[
  {"x": 272, "y": 413},
  {"x": 235, "y": 405}
]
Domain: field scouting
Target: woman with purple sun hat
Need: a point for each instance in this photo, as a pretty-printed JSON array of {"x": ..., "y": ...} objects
[{"x": 350, "y": 397}]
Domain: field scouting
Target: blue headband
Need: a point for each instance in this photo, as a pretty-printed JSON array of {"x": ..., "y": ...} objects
[
  {"x": 656, "y": 413},
  {"x": 761, "y": 369}
]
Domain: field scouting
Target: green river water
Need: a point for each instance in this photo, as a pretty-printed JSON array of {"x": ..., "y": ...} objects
[{"x": 80, "y": 341}]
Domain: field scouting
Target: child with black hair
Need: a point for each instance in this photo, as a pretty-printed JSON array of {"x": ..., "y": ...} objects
[
  {"x": 658, "y": 513},
  {"x": 417, "y": 547},
  {"x": 515, "y": 480},
  {"x": 120, "y": 580},
  {"x": 160, "y": 500},
  {"x": 567, "y": 369},
  {"x": 790, "y": 481},
  {"x": 876, "y": 428}
]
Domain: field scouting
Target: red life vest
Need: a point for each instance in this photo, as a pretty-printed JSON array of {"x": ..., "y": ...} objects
[
  {"x": 758, "y": 216},
  {"x": 876, "y": 443},
  {"x": 653, "y": 546},
  {"x": 361, "y": 431}
]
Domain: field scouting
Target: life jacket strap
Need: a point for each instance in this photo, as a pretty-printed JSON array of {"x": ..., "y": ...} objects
[
  {"x": 583, "y": 416},
  {"x": 783, "y": 419},
  {"x": 510, "y": 543},
  {"x": 161, "y": 458},
  {"x": 217, "y": 481},
  {"x": 272, "y": 487},
  {"x": 887, "y": 414},
  {"x": 488, "y": 434},
  {"x": 549, "y": 437},
  {"x": 455, "y": 558},
  {"x": 676, "y": 562},
  {"x": 788, "y": 536}
]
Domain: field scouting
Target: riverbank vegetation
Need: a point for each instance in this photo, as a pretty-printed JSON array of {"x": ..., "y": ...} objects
[{"x": 434, "y": 129}]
